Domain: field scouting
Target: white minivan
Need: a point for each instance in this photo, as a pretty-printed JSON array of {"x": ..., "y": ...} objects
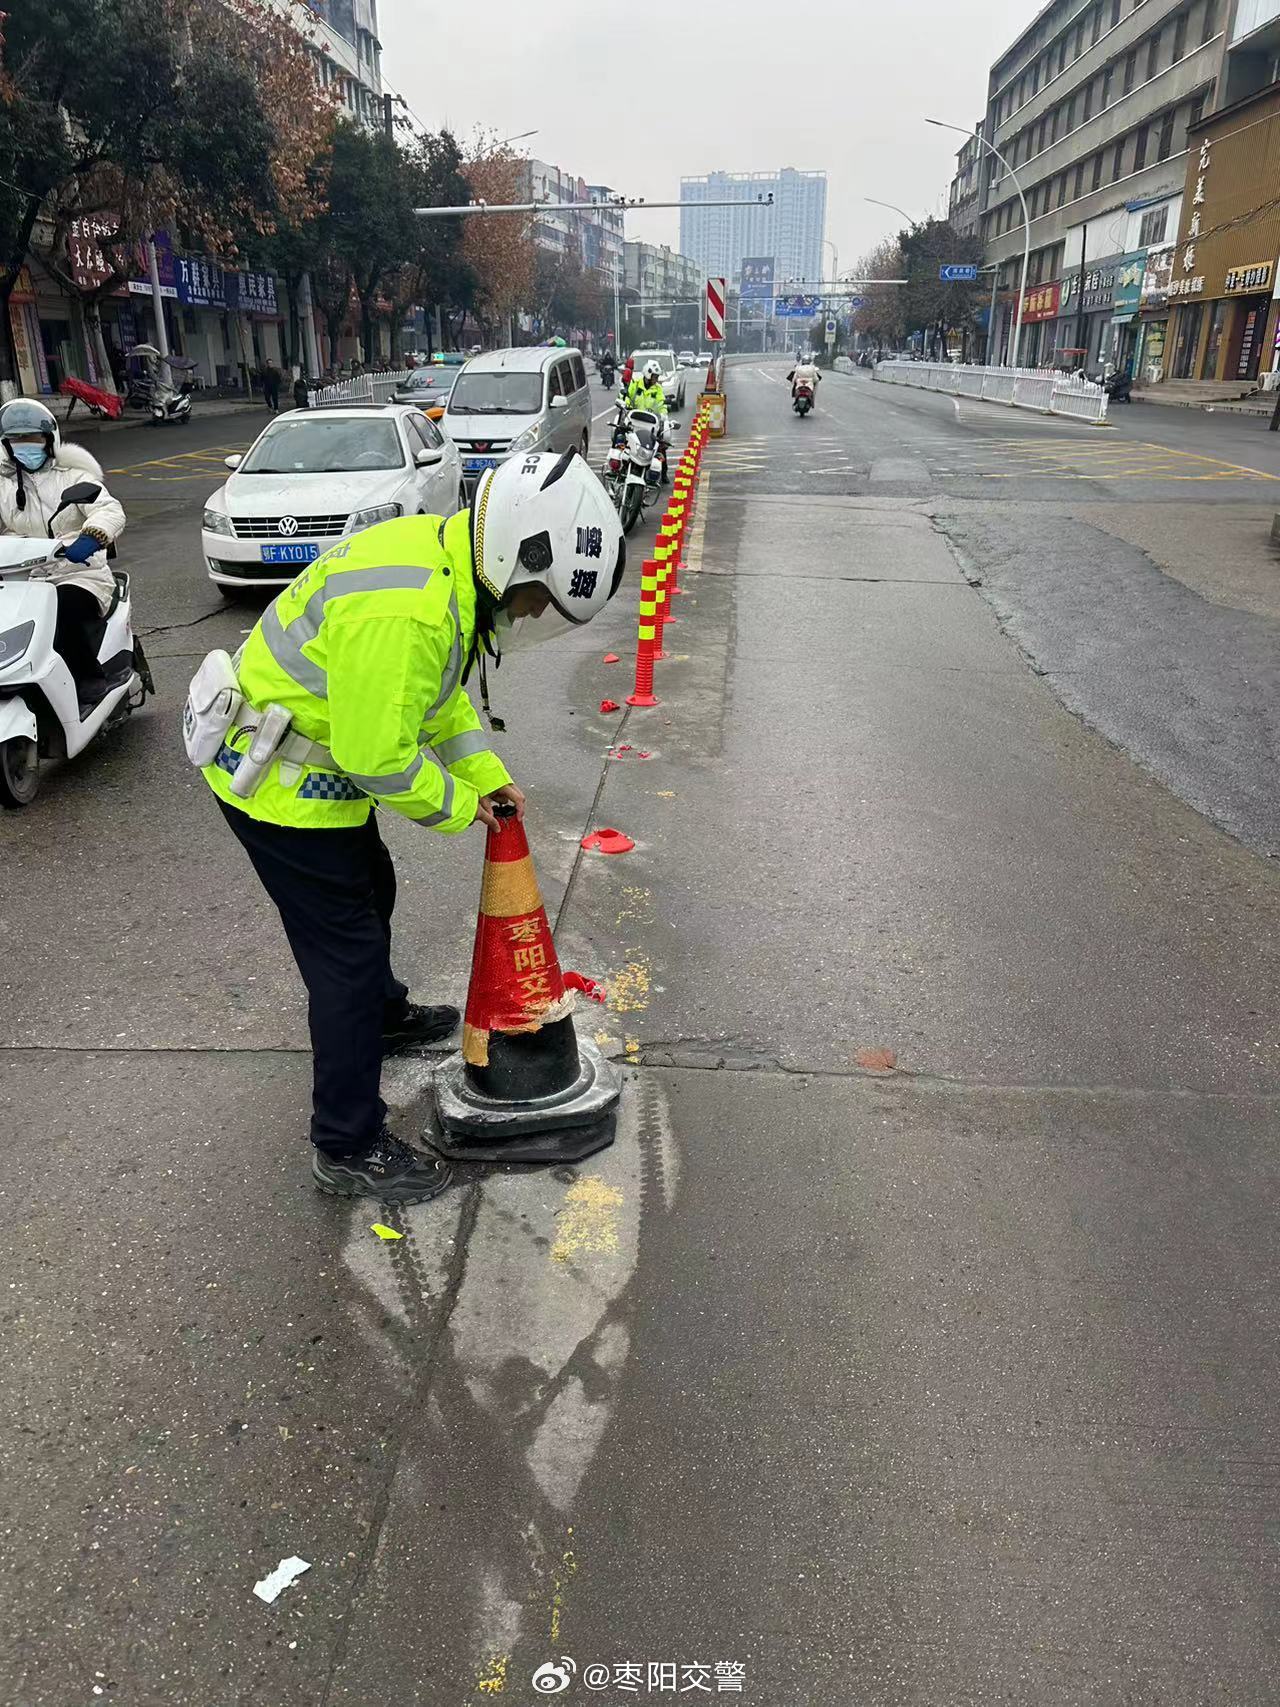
[{"x": 508, "y": 402}]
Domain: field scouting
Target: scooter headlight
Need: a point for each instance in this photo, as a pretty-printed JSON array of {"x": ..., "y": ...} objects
[{"x": 14, "y": 643}]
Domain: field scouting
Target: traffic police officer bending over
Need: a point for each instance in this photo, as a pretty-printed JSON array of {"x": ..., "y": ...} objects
[{"x": 348, "y": 695}]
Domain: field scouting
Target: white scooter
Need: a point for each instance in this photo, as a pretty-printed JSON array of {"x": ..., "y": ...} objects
[{"x": 39, "y": 710}]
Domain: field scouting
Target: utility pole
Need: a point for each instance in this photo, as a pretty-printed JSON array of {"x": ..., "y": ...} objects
[
  {"x": 157, "y": 300},
  {"x": 1080, "y": 331},
  {"x": 991, "y": 316}
]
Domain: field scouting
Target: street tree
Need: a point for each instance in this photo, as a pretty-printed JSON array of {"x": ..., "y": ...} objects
[
  {"x": 108, "y": 134},
  {"x": 929, "y": 305},
  {"x": 370, "y": 216},
  {"x": 437, "y": 274},
  {"x": 499, "y": 249},
  {"x": 881, "y": 316}
]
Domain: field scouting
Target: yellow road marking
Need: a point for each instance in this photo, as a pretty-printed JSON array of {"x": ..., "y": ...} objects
[{"x": 211, "y": 451}]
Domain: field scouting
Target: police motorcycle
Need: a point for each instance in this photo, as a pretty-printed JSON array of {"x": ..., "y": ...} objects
[
  {"x": 633, "y": 465},
  {"x": 40, "y": 712}
]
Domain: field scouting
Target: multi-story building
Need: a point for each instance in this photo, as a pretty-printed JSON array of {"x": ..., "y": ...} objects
[
  {"x": 1222, "y": 276},
  {"x": 595, "y": 237},
  {"x": 1090, "y": 108},
  {"x": 558, "y": 233},
  {"x": 965, "y": 206},
  {"x": 668, "y": 287},
  {"x": 660, "y": 274},
  {"x": 603, "y": 235},
  {"x": 790, "y": 230},
  {"x": 347, "y": 52}
]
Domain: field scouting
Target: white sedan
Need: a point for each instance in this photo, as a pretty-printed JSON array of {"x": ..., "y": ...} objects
[{"x": 314, "y": 476}]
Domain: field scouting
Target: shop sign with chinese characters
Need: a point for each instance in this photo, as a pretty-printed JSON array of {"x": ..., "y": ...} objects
[
  {"x": 1041, "y": 302},
  {"x": 1156, "y": 277},
  {"x": 1253, "y": 277},
  {"x": 1128, "y": 284},
  {"x": 1229, "y": 232},
  {"x": 251, "y": 293},
  {"x": 1192, "y": 283}
]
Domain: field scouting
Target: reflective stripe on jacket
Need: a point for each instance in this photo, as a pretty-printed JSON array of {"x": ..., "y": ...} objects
[
  {"x": 642, "y": 396},
  {"x": 366, "y": 648}
]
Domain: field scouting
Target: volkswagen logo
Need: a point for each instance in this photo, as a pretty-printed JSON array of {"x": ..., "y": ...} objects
[{"x": 287, "y": 525}]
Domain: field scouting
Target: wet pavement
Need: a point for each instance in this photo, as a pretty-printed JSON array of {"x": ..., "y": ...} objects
[{"x": 914, "y": 1343}]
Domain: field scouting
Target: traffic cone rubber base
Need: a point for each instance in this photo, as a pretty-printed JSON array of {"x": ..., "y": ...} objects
[{"x": 547, "y": 1096}]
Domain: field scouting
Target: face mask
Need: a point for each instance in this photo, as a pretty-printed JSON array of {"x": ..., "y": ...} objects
[{"x": 30, "y": 456}]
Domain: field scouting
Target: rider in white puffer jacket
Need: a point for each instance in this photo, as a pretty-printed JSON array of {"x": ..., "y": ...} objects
[{"x": 36, "y": 468}]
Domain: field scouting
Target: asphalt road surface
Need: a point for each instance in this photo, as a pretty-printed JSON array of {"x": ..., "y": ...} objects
[{"x": 916, "y": 1340}]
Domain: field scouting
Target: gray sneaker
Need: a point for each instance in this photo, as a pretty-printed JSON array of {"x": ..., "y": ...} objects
[{"x": 389, "y": 1171}]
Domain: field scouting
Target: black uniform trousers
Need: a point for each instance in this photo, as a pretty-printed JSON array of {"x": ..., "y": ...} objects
[{"x": 335, "y": 891}]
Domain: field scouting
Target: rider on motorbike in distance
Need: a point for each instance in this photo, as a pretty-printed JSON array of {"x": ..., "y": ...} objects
[{"x": 805, "y": 372}]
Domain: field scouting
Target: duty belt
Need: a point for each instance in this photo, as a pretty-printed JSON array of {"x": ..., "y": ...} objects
[{"x": 323, "y": 780}]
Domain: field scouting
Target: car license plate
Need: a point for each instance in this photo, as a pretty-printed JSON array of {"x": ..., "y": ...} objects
[
  {"x": 289, "y": 553},
  {"x": 478, "y": 464}
]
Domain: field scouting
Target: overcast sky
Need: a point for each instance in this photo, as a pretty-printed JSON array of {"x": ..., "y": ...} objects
[{"x": 635, "y": 95}]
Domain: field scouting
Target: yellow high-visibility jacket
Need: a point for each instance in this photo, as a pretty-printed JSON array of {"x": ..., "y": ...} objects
[
  {"x": 366, "y": 648},
  {"x": 642, "y": 396}
]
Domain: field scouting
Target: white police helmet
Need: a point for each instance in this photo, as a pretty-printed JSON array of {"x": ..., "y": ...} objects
[
  {"x": 546, "y": 520},
  {"x": 652, "y": 373}
]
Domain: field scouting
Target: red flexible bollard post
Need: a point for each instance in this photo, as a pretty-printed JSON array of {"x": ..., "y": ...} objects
[
  {"x": 663, "y": 610},
  {"x": 647, "y": 637}
]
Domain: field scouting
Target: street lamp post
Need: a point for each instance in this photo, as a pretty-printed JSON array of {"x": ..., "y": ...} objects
[
  {"x": 893, "y": 208},
  {"x": 1026, "y": 224}
]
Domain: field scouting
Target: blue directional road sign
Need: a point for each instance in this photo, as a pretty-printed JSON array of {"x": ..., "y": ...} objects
[
  {"x": 798, "y": 306},
  {"x": 956, "y": 274},
  {"x": 852, "y": 302},
  {"x": 757, "y": 279}
]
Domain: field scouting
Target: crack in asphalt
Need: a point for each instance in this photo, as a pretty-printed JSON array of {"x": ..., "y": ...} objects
[
  {"x": 400, "y": 1429},
  {"x": 700, "y": 1055},
  {"x": 173, "y": 627}
]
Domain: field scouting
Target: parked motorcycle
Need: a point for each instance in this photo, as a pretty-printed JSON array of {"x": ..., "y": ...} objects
[
  {"x": 633, "y": 466},
  {"x": 802, "y": 398},
  {"x": 40, "y": 713},
  {"x": 162, "y": 384}
]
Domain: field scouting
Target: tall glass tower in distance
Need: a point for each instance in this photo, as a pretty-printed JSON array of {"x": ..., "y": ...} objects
[{"x": 791, "y": 231}]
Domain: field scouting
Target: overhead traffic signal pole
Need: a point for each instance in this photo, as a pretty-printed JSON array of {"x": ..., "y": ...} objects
[{"x": 621, "y": 204}]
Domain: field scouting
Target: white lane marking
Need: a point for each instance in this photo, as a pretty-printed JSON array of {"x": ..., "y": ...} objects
[{"x": 955, "y": 404}]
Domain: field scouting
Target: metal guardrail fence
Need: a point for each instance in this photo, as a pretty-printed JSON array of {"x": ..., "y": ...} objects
[
  {"x": 1044, "y": 389},
  {"x": 364, "y": 388}
]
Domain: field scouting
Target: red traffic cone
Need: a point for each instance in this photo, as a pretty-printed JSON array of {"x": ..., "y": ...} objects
[{"x": 524, "y": 1087}]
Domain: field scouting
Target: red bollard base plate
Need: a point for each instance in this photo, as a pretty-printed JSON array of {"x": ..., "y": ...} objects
[{"x": 642, "y": 699}]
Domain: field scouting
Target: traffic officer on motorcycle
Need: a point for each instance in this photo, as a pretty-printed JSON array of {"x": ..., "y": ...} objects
[
  {"x": 645, "y": 392},
  {"x": 367, "y": 652},
  {"x": 36, "y": 468}
]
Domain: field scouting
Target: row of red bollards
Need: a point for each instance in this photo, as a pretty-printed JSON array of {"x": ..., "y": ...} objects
[{"x": 660, "y": 574}]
